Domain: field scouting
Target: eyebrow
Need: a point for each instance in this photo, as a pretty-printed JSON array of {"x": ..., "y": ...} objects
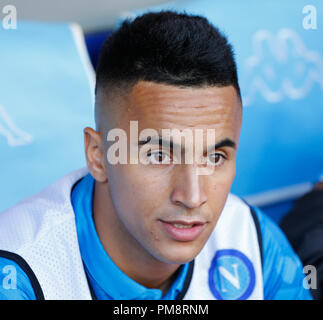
[{"x": 157, "y": 140}]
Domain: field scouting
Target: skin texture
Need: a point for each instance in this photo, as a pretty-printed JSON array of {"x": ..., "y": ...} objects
[{"x": 131, "y": 200}]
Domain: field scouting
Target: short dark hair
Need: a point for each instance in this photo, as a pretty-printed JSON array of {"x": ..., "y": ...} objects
[{"x": 170, "y": 48}]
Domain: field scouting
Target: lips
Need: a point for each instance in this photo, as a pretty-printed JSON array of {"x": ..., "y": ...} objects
[{"x": 181, "y": 230}]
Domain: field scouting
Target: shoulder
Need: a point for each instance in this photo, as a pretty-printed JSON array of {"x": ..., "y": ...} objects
[
  {"x": 282, "y": 269},
  {"x": 34, "y": 217},
  {"x": 30, "y": 229}
]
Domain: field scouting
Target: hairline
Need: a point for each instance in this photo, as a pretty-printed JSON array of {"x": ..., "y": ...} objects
[{"x": 122, "y": 89}]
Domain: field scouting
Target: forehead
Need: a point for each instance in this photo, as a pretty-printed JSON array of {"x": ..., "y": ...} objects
[{"x": 161, "y": 106}]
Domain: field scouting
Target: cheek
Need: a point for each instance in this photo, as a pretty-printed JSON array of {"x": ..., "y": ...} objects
[
  {"x": 220, "y": 188},
  {"x": 136, "y": 195},
  {"x": 223, "y": 185},
  {"x": 218, "y": 195},
  {"x": 223, "y": 180},
  {"x": 140, "y": 211}
]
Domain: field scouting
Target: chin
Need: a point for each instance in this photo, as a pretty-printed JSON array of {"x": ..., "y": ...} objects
[{"x": 180, "y": 254}]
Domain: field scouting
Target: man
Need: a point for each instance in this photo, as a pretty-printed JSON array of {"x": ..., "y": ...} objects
[{"x": 143, "y": 223}]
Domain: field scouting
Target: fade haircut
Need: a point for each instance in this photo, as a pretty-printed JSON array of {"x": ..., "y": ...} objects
[{"x": 169, "y": 48}]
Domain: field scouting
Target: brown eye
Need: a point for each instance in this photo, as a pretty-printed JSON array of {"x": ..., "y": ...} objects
[
  {"x": 216, "y": 159},
  {"x": 158, "y": 157}
]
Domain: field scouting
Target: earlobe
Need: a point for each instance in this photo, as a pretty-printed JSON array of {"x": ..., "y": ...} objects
[{"x": 94, "y": 154}]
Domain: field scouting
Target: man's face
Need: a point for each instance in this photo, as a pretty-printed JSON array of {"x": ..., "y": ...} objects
[{"x": 171, "y": 209}]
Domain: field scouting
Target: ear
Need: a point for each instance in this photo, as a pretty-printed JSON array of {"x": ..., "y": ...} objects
[{"x": 94, "y": 152}]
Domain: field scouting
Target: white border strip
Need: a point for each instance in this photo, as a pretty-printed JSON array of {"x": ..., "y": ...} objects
[
  {"x": 81, "y": 47},
  {"x": 278, "y": 195}
]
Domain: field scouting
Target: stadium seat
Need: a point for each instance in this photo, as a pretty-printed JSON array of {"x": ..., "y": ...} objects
[{"x": 46, "y": 99}]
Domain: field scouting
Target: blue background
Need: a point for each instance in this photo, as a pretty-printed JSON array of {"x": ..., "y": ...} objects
[{"x": 45, "y": 90}]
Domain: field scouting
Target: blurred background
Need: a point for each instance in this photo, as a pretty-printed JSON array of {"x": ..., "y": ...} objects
[{"x": 47, "y": 74}]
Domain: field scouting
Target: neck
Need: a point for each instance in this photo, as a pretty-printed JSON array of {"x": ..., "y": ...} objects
[{"x": 124, "y": 250}]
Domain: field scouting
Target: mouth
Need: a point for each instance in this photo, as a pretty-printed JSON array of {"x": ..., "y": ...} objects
[{"x": 183, "y": 230}]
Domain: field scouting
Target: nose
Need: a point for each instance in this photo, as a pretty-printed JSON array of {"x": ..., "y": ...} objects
[{"x": 188, "y": 190}]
